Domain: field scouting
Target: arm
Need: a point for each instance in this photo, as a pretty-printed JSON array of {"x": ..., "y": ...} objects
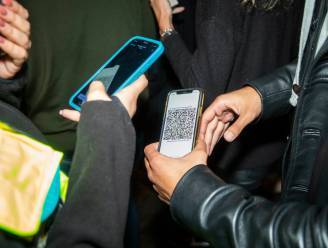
[
  {"x": 229, "y": 216},
  {"x": 97, "y": 201},
  {"x": 95, "y": 211},
  {"x": 209, "y": 67}
]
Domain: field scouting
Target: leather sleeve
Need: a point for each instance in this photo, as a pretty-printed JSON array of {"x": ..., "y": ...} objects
[
  {"x": 275, "y": 90},
  {"x": 229, "y": 216}
]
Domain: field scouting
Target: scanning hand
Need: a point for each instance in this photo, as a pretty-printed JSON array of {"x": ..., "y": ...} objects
[
  {"x": 14, "y": 37},
  {"x": 228, "y": 115}
]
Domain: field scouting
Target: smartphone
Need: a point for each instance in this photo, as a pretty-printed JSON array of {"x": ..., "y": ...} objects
[
  {"x": 180, "y": 125},
  {"x": 132, "y": 60},
  {"x": 173, "y": 3}
]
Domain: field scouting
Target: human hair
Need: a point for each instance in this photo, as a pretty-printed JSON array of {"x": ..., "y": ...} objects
[{"x": 266, "y": 4}]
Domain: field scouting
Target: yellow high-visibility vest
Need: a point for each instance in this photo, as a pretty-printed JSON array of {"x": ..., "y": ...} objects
[{"x": 27, "y": 170}]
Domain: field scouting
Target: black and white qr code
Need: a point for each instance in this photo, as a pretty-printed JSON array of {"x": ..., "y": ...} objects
[{"x": 179, "y": 124}]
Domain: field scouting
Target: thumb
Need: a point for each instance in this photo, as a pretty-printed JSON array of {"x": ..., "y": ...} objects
[
  {"x": 139, "y": 85},
  {"x": 235, "y": 129},
  {"x": 97, "y": 91},
  {"x": 201, "y": 145},
  {"x": 129, "y": 95},
  {"x": 199, "y": 154},
  {"x": 151, "y": 150}
]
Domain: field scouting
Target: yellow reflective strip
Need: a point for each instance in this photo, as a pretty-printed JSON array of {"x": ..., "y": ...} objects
[{"x": 63, "y": 185}]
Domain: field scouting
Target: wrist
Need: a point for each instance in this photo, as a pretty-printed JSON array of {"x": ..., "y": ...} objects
[
  {"x": 165, "y": 25},
  {"x": 256, "y": 100}
]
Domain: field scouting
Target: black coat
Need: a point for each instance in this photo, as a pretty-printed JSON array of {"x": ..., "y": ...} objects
[
  {"x": 229, "y": 216},
  {"x": 235, "y": 45}
]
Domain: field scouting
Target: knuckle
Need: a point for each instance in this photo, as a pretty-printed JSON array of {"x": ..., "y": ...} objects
[
  {"x": 10, "y": 31},
  {"x": 28, "y": 27},
  {"x": 24, "y": 54},
  {"x": 150, "y": 176},
  {"x": 26, "y": 43},
  {"x": 26, "y": 13}
]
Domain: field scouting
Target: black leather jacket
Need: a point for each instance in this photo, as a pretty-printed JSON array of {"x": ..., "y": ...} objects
[{"x": 229, "y": 216}]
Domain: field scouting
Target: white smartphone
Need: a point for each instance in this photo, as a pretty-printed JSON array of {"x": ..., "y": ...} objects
[
  {"x": 180, "y": 126},
  {"x": 173, "y": 3}
]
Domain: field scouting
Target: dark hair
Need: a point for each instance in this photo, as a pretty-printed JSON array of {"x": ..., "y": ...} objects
[{"x": 266, "y": 4}]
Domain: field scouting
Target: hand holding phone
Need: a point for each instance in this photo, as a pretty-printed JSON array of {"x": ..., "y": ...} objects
[
  {"x": 123, "y": 68},
  {"x": 180, "y": 126}
]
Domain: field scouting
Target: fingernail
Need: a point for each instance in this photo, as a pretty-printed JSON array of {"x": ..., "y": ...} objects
[
  {"x": 61, "y": 112},
  {"x": 3, "y": 11},
  {"x": 7, "y": 2},
  {"x": 2, "y": 23},
  {"x": 2, "y": 40},
  {"x": 229, "y": 136}
]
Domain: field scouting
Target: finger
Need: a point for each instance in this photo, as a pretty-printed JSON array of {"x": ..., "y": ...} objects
[
  {"x": 16, "y": 7},
  {"x": 15, "y": 35},
  {"x": 178, "y": 10},
  {"x": 207, "y": 117},
  {"x": 150, "y": 173},
  {"x": 161, "y": 192},
  {"x": 148, "y": 168},
  {"x": 135, "y": 88},
  {"x": 69, "y": 114},
  {"x": 209, "y": 132},
  {"x": 97, "y": 91},
  {"x": 227, "y": 116},
  {"x": 217, "y": 135},
  {"x": 200, "y": 145},
  {"x": 151, "y": 151},
  {"x": 15, "y": 52},
  {"x": 156, "y": 189},
  {"x": 235, "y": 129},
  {"x": 163, "y": 199},
  {"x": 15, "y": 20},
  {"x": 129, "y": 95},
  {"x": 140, "y": 84}
]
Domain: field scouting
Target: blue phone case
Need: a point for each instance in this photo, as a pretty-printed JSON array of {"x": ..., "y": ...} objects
[{"x": 134, "y": 76}]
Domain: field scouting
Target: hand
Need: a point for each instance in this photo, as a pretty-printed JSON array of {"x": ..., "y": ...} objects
[
  {"x": 128, "y": 97},
  {"x": 165, "y": 172},
  {"x": 163, "y": 13},
  {"x": 14, "y": 37},
  {"x": 241, "y": 106}
]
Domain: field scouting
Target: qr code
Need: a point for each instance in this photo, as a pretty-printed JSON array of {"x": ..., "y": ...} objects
[{"x": 179, "y": 124}]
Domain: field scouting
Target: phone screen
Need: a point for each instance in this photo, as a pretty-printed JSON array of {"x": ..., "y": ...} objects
[
  {"x": 116, "y": 72},
  {"x": 180, "y": 122}
]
